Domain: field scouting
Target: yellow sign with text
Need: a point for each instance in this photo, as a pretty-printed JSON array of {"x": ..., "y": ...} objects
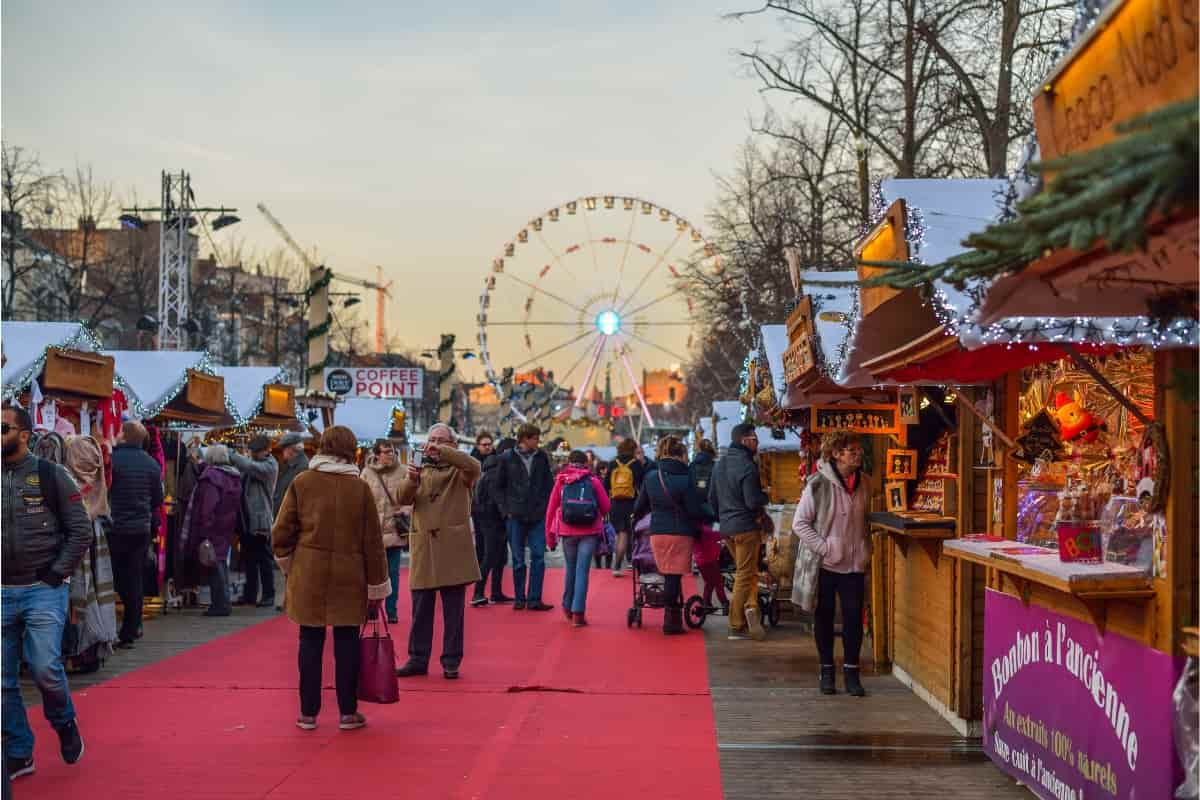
[{"x": 1142, "y": 55}]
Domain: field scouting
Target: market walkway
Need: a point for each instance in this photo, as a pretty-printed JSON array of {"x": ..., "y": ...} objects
[
  {"x": 542, "y": 709},
  {"x": 780, "y": 738}
]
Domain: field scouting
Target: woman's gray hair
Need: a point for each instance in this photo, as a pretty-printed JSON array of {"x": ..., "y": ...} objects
[
  {"x": 216, "y": 455},
  {"x": 442, "y": 426}
]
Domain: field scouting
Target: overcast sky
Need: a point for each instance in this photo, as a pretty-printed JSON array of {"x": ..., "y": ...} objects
[{"x": 419, "y": 135}]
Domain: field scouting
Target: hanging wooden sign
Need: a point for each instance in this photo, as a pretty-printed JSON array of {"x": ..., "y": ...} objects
[
  {"x": 865, "y": 418},
  {"x": 799, "y": 358},
  {"x": 89, "y": 374},
  {"x": 1139, "y": 56}
]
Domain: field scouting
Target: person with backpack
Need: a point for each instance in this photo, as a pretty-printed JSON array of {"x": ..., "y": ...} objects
[
  {"x": 676, "y": 509},
  {"x": 625, "y": 476},
  {"x": 45, "y": 535},
  {"x": 522, "y": 491},
  {"x": 578, "y": 505},
  {"x": 135, "y": 496}
]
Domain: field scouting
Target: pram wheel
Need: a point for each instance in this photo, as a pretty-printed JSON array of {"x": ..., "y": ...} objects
[
  {"x": 630, "y": 617},
  {"x": 694, "y": 612}
]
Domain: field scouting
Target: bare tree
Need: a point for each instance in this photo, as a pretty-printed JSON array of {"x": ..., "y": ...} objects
[
  {"x": 930, "y": 87},
  {"x": 998, "y": 53},
  {"x": 28, "y": 196}
]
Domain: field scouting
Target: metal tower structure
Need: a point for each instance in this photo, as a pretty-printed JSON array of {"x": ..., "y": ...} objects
[
  {"x": 178, "y": 214},
  {"x": 175, "y": 260}
]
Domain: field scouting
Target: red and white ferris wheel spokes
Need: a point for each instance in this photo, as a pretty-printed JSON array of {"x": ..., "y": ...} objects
[{"x": 596, "y": 317}]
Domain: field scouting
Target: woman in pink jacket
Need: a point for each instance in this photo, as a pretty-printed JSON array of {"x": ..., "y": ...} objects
[{"x": 578, "y": 505}]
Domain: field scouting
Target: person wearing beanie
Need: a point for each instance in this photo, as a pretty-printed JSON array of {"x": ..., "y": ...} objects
[{"x": 259, "y": 473}]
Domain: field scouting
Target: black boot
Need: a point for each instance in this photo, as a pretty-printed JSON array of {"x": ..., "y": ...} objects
[
  {"x": 827, "y": 683},
  {"x": 853, "y": 684},
  {"x": 673, "y": 621}
]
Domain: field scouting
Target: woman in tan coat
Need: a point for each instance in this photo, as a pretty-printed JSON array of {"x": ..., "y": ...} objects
[
  {"x": 327, "y": 542},
  {"x": 385, "y": 476},
  {"x": 441, "y": 549}
]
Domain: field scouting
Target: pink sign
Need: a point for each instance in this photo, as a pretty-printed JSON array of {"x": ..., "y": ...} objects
[{"x": 1074, "y": 714}]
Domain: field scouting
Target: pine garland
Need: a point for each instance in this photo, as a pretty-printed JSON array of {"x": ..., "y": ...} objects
[{"x": 1102, "y": 195}]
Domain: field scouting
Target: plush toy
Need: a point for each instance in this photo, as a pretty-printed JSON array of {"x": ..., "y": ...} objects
[{"x": 1075, "y": 422}]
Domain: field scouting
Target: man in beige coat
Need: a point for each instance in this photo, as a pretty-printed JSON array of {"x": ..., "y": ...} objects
[{"x": 441, "y": 549}]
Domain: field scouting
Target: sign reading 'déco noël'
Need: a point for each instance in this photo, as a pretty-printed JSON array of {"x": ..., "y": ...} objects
[{"x": 385, "y": 383}]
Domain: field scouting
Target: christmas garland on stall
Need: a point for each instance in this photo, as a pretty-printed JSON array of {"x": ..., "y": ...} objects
[{"x": 1102, "y": 195}]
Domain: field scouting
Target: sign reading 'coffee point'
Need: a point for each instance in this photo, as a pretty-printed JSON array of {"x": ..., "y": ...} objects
[
  {"x": 385, "y": 383},
  {"x": 1140, "y": 56}
]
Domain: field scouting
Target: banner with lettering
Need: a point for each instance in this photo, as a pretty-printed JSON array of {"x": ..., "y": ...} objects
[{"x": 1072, "y": 713}]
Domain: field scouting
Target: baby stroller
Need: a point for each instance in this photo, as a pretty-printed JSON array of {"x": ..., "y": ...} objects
[
  {"x": 649, "y": 587},
  {"x": 768, "y": 587}
]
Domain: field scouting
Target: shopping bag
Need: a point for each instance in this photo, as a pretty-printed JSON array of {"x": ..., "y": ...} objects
[
  {"x": 377, "y": 665},
  {"x": 606, "y": 540}
]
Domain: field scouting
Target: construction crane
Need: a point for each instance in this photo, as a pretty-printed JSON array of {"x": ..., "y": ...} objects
[{"x": 382, "y": 290}]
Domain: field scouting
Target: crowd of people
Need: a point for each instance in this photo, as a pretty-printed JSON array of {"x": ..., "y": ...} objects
[{"x": 338, "y": 533}]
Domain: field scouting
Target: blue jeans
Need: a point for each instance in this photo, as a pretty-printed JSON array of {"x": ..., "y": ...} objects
[
  {"x": 578, "y": 552},
  {"x": 33, "y": 620},
  {"x": 393, "y": 557},
  {"x": 533, "y": 535}
]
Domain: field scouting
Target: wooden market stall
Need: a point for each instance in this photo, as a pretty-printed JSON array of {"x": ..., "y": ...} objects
[
  {"x": 172, "y": 386},
  {"x": 926, "y": 609},
  {"x": 55, "y": 370},
  {"x": 783, "y": 460},
  {"x": 1083, "y": 364},
  {"x": 260, "y": 398}
]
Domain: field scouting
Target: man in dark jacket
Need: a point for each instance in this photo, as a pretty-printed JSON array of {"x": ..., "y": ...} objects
[
  {"x": 522, "y": 492},
  {"x": 46, "y": 533},
  {"x": 735, "y": 494},
  {"x": 295, "y": 461},
  {"x": 491, "y": 537},
  {"x": 259, "y": 472},
  {"x": 135, "y": 496}
]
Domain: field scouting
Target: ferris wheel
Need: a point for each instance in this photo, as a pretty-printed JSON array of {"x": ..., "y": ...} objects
[{"x": 593, "y": 292}]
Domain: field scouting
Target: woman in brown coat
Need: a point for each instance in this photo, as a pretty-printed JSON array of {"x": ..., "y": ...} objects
[
  {"x": 328, "y": 544},
  {"x": 441, "y": 549},
  {"x": 384, "y": 476}
]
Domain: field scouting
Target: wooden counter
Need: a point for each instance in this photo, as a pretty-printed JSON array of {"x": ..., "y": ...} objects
[
  {"x": 922, "y": 526},
  {"x": 1103, "y": 594}
]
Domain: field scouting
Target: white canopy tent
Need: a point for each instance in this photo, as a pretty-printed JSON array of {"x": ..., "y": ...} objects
[{"x": 245, "y": 388}]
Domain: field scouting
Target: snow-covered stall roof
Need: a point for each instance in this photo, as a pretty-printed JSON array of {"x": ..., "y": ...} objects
[
  {"x": 729, "y": 413},
  {"x": 153, "y": 378},
  {"x": 774, "y": 343},
  {"x": 245, "y": 386},
  {"x": 944, "y": 212},
  {"x": 25, "y": 345},
  {"x": 833, "y": 309},
  {"x": 370, "y": 418}
]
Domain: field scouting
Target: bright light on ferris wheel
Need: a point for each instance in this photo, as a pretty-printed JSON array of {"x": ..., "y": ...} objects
[{"x": 608, "y": 322}]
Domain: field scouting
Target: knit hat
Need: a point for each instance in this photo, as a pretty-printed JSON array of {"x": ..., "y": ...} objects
[{"x": 290, "y": 440}]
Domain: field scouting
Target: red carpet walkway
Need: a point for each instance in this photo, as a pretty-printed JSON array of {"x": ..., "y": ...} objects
[{"x": 607, "y": 711}]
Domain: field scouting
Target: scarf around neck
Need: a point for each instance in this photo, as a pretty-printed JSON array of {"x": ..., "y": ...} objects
[{"x": 332, "y": 465}]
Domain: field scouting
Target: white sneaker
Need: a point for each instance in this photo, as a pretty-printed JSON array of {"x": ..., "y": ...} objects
[
  {"x": 618, "y": 573},
  {"x": 754, "y": 624}
]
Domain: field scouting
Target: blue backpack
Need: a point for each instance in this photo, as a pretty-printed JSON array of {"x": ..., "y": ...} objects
[{"x": 579, "y": 503}]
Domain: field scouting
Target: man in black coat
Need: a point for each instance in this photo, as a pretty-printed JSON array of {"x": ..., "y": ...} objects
[
  {"x": 135, "y": 496},
  {"x": 491, "y": 537},
  {"x": 522, "y": 492}
]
